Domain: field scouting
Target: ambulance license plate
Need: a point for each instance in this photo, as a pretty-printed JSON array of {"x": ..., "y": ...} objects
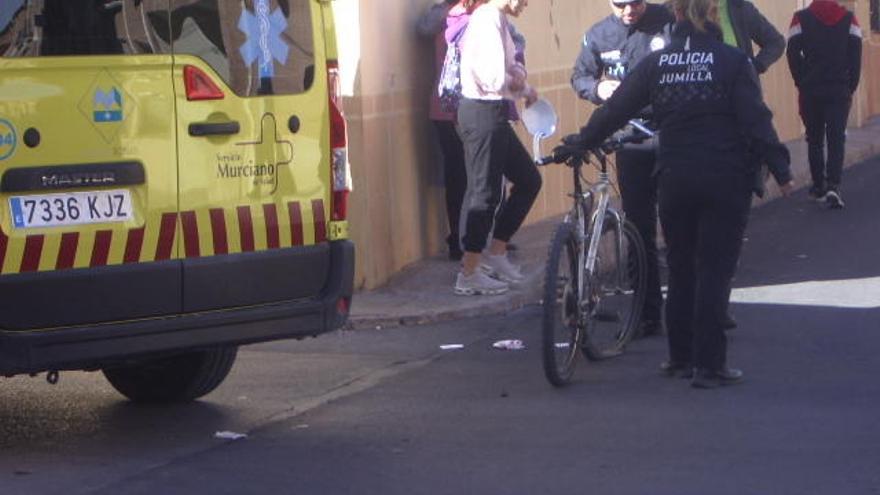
[{"x": 74, "y": 208}]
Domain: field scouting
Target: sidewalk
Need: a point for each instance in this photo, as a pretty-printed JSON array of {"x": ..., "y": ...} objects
[{"x": 423, "y": 293}]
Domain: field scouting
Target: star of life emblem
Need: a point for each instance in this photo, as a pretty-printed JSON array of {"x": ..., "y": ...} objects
[{"x": 264, "y": 44}]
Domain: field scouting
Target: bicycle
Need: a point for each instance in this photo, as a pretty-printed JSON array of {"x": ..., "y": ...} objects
[{"x": 595, "y": 278}]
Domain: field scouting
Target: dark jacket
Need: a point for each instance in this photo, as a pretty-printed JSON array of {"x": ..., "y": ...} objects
[
  {"x": 707, "y": 102},
  {"x": 825, "y": 49},
  {"x": 610, "y": 49},
  {"x": 748, "y": 26}
]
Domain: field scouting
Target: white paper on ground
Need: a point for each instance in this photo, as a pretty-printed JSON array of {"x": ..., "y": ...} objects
[
  {"x": 229, "y": 435},
  {"x": 509, "y": 345},
  {"x": 451, "y": 347}
]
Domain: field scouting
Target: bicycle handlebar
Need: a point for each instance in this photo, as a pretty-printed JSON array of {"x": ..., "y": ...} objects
[
  {"x": 563, "y": 154},
  {"x": 547, "y": 160},
  {"x": 615, "y": 143},
  {"x": 641, "y": 126},
  {"x": 609, "y": 146}
]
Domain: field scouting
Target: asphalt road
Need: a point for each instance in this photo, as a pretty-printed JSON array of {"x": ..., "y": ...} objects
[{"x": 388, "y": 412}]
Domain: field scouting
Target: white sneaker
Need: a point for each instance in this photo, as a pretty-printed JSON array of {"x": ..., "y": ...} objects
[
  {"x": 478, "y": 283},
  {"x": 833, "y": 199},
  {"x": 500, "y": 267}
]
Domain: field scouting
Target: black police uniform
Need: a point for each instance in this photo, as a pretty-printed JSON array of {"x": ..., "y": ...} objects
[
  {"x": 610, "y": 49},
  {"x": 708, "y": 104}
]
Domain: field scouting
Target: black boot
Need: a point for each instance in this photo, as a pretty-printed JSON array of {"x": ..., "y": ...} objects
[
  {"x": 706, "y": 378},
  {"x": 728, "y": 323},
  {"x": 675, "y": 369}
]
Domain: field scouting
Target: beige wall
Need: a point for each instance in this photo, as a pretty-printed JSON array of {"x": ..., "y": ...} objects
[{"x": 397, "y": 211}]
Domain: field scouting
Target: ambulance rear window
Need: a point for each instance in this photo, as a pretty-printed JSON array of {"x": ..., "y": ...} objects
[
  {"x": 32, "y": 28},
  {"x": 258, "y": 47}
]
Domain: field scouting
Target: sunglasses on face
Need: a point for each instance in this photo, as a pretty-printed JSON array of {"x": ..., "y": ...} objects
[{"x": 622, "y": 5}]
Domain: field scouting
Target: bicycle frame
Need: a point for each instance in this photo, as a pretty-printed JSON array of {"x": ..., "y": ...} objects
[{"x": 600, "y": 194}]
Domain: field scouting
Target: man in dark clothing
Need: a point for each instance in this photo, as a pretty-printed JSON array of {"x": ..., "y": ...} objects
[
  {"x": 611, "y": 48},
  {"x": 742, "y": 24},
  {"x": 825, "y": 58}
]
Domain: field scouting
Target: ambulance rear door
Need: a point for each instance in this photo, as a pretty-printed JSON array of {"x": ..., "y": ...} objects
[
  {"x": 88, "y": 195},
  {"x": 251, "y": 88}
]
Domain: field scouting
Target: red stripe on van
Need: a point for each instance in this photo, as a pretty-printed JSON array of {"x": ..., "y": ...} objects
[
  {"x": 296, "y": 223},
  {"x": 166, "y": 236},
  {"x": 273, "y": 237},
  {"x": 4, "y": 241},
  {"x": 67, "y": 253},
  {"x": 190, "y": 234},
  {"x": 246, "y": 227},
  {"x": 101, "y": 250},
  {"x": 133, "y": 245},
  {"x": 320, "y": 224},
  {"x": 33, "y": 249},
  {"x": 218, "y": 230}
]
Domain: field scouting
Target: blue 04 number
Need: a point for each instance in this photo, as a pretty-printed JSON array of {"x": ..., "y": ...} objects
[{"x": 7, "y": 139}]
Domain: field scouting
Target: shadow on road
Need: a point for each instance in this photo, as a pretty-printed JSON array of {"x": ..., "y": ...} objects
[{"x": 34, "y": 420}]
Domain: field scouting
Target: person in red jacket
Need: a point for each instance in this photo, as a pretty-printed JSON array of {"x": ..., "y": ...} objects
[{"x": 825, "y": 57}]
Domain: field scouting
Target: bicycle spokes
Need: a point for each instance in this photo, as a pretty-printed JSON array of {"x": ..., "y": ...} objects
[{"x": 614, "y": 291}]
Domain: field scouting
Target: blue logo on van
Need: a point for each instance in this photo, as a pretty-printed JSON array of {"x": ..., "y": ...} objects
[
  {"x": 107, "y": 105},
  {"x": 264, "y": 42},
  {"x": 8, "y": 139}
]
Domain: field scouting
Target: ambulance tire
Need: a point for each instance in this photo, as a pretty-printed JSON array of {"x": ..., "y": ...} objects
[{"x": 178, "y": 378}]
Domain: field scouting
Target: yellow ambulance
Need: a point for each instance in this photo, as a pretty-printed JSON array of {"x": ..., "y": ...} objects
[{"x": 173, "y": 184}]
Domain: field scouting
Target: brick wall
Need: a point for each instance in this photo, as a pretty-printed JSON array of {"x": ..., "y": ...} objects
[{"x": 397, "y": 211}]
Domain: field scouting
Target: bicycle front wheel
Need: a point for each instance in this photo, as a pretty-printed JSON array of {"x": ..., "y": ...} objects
[
  {"x": 562, "y": 324},
  {"x": 616, "y": 291}
]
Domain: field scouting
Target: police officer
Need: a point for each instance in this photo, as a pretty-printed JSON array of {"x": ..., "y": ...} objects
[
  {"x": 707, "y": 102},
  {"x": 611, "y": 48}
]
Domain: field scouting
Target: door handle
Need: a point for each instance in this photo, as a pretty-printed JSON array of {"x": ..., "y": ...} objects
[{"x": 214, "y": 129}]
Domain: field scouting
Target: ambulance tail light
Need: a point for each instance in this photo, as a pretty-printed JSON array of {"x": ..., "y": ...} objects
[
  {"x": 199, "y": 85},
  {"x": 338, "y": 145}
]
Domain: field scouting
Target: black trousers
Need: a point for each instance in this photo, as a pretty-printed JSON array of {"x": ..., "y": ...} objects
[
  {"x": 638, "y": 191},
  {"x": 493, "y": 151},
  {"x": 704, "y": 215},
  {"x": 825, "y": 118},
  {"x": 454, "y": 175}
]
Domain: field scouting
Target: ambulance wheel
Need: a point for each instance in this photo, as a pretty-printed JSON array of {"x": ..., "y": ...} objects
[{"x": 178, "y": 378}]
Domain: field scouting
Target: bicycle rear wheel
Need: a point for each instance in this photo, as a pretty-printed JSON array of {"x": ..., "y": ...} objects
[
  {"x": 561, "y": 325},
  {"x": 616, "y": 292}
]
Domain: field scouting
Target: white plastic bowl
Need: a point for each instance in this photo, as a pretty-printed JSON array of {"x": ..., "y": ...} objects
[{"x": 540, "y": 119}]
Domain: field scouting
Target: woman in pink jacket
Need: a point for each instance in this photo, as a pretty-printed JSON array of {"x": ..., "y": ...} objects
[
  {"x": 443, "y": 22},
  {"x": 489, "y": 75}
]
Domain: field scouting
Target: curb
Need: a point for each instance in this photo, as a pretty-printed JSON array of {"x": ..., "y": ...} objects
[
  {"x": 495, "y": 305},
  {"x": 422, "y": 294}
]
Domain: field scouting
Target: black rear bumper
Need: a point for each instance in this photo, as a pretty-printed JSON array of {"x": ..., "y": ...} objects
[{"x": 93, "y": 346}]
